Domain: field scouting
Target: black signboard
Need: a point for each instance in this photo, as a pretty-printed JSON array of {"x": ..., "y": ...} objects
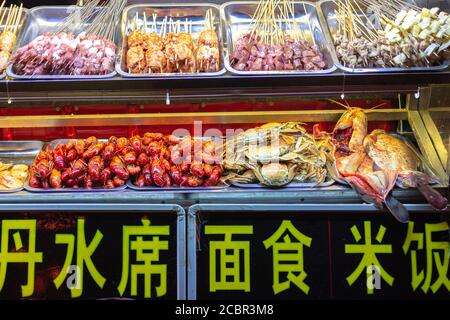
[
  {"x": 112, "y": 254},
  {"x": 316, "y": 252}
]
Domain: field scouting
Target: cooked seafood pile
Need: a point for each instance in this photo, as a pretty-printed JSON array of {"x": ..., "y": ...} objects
[
  {"x": 397, "y": 34},
  {"x": 276, "y": 154},
  {"x": 66, "y": 54},
  {"x": 69, "y": 51},
  {"x": 276, "y": 42},
  {"x": 167, "y": 161},
  {"x": 8, "y": 34},
  {"x": 83, "y": 163},
  {"x": 374, "y": 163},
  {"x": 12, "y": 176},
  {"x": 175, "y": 51},
  {"x": 151, "y": 160}
]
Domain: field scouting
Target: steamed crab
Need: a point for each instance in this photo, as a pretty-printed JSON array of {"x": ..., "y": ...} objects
[{"x": 275, "y": 154}]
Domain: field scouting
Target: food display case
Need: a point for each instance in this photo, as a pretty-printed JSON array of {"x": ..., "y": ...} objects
[{"x": 205, "y": 241}]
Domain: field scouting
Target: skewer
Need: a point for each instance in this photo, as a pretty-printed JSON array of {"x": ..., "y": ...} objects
[{"x": 145, "y": 22}]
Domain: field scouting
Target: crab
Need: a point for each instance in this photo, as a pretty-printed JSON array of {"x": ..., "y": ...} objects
[{"x": 277, "y": 154}]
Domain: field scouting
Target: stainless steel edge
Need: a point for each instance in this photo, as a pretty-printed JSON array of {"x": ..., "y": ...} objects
[
  {"x": 435, "y": 136},
  {"x": 181, "y": 253},
  {"x": 122, "y": 48},
  {"x": 229, "y": 45},
  {"x": 20, "y": 42},
  {"x": 192, "y": 252},
  {"x": 329, "y": 36},
  {"x": 426, "y": 146},
  {"x": 318, "y": 208}
]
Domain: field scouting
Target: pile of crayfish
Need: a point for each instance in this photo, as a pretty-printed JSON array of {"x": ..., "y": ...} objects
[
  {"x": 82, "y": 163},
  {"x": 151, "y": 160},
  {"x": 166, "y": 161}
]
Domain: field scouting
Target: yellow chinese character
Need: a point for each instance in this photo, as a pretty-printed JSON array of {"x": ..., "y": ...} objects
[
  {"x": 83, "y": 257},
  {"x": 229, "y": 259},
  {"x": 437, "y": 253},
  {"x": 288, "y": 257},
  {"x": 147, "y": 253},
  {"x": 369, "y": 251},
  {"x": 31, "y": 257}
]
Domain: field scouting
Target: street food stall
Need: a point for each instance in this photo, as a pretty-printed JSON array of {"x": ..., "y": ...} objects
[{"x": 225, "y": 150}]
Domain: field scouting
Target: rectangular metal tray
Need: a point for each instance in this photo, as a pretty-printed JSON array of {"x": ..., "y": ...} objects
[
  {"x": 185, "y": 189},
  {"x": 51, "y": 145},
  {"x": 195, "y": 12},
  {"x": 329, "y": 24},
  {"x": 19, "y": 152},
  {"x": 46, "y": 19},
  {"x": 19, "y": 30},
  {"x": 288, "y": 186},
  {"x": 237, "y": 18}
]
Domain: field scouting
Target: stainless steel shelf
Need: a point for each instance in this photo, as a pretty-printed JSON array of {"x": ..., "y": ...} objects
[{"x": 328, "y": 195}]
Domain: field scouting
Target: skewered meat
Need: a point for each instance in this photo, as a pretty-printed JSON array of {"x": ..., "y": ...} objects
[
  {"x": 7, "y": 41},
  {"x": 208, "y": 38},
  {"x": 176, "y": 52},
  {"x": 208, "y": 59},
  {"x": 4, "y": 58},
  {"x": 250, "y": 54},
  {"x": 136, "y": 59},
  {"x": 136, "y": 38},
  {"x": 156, "y": 61},
  {"x": 180, "y": 57},
  {"x": 65, "y": 54},
  {"x": 153, "y": 41}
]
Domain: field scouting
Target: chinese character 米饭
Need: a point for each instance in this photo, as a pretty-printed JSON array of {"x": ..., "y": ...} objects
[
  {"x": 229, "y": 259},
  {"x": 147, "y": 254},
  {"x": 288, "y": 257},
  {"x": 369, "y": 251},
  {"x": 83, "y": 257},
  {"x": 437, "y": 253},
  {"x": 30, "y": 257}
]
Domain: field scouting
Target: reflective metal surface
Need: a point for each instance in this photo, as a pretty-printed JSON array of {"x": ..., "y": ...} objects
[
  {"x": 328, "y": 20},
  {"x": 47, "y": 19},
  {"x": 194, "y": 12},
  {"x": 237, "y": 19}
]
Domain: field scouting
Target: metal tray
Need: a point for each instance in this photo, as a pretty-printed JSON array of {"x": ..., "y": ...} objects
[
  {"x": 185, "y": 189},
  {"x": 51, "y": 145},
  {"x": 46, "y": 19},
  {"x": 19, "y": 152},
  {"x": 19, "y": 31},
  {"x": 62, "y": 190},
  {"x": 237, "y": 18},
  {"x": 195, "y": 12},
  {"x": 288, "y": 186},
  {"x": 329, "y": 24}
]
